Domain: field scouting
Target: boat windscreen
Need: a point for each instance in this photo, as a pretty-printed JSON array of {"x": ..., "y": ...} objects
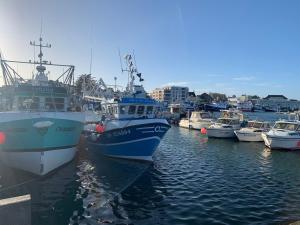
[
  {"x": 255, "y": 124},
  {"x": 224, "y": 121},
  {"x": 286, "y": 126},
  {"x": 205, "y": 116}
]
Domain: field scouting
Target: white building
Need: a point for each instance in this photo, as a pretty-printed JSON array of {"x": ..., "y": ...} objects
[
  {"x": 170, "y": 94},
  {"x": 279, "y": 102}
]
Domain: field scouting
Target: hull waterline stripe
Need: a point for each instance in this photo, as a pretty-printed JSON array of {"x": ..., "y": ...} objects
[
  {"x": 38, "y": 149},
  {"x": 127, "y": 142}
]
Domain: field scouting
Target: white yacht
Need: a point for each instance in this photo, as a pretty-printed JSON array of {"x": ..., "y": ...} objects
[
  {"x": 229, "y": 121},
  {"x": 284, "y": 135},
  {"x": 197, "y": 120},
  {"x": 253, "y": 131}
]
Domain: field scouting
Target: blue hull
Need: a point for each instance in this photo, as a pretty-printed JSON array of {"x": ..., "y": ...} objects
[{"x": 133, "y": 142}]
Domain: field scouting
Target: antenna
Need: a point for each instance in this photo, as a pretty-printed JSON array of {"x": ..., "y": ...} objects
[
  {"x": 134, "y": 60},
  {"x": 120, "y": 60},
  {"x": 41, "y": 46},
  {"x": 115, "y": 78},
  {"x": 91, "y": 61},
  {"x": 41, "y": 30}
]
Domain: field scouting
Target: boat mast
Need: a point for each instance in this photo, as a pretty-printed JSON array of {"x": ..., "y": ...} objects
[{"x": 132, "y": 72}]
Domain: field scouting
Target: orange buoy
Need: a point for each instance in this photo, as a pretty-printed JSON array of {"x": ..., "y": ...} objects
[
  {"x": 203, "y": 130},
  {"x": 100, "y": 128},
  {"x": 2, "y": 137}
]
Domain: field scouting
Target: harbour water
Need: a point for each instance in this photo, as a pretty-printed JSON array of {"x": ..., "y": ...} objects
[{"x": 193, "y": 180}]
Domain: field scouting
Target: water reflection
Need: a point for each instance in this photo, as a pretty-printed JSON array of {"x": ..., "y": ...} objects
[
  {"x": 266, "y": 153},
  {"x": 80, "y": 192}
]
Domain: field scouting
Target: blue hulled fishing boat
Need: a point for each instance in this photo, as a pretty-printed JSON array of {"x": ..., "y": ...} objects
[{"x": 132, "y": 128}]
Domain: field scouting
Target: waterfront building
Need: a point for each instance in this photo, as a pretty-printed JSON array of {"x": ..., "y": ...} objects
[
  {"x": 279, "y": 102},
  {"x": 170, "y": 94},
  {"x": 233, "y": 101}
]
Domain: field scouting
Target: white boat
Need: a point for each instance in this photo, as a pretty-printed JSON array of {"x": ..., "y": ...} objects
[
  {"x": 197, "y": 120},
  {"x": 224, "y": 127},
  {"x": 39, "y": 129},
  {"x": 284, "y": 135},
  {"x": 253, "y": 131}
]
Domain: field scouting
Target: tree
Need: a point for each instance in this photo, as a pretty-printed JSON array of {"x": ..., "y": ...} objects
[
  {"x": 85, "y": 81},
  {"x": 218, "y": 97}
]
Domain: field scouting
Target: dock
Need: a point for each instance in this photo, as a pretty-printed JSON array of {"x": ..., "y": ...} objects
[{"x": 15, "y": 210}]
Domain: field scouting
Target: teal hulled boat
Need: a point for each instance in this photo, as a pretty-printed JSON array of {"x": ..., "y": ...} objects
[{"x": 39, "y": 128}]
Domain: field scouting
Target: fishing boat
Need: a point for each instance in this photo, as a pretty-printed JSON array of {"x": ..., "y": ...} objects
[
  {"x": 39, "y": 123},
  {"x": 131, "y": 128},
  {"x": 246, "y": 106},
  {"x": 224, "y": 127},
  {"x": 284, "y": 135},
  {"x": 253, "y": 131},
  {"x": 197, "y": 120},
  {"x": 216, "y": 106}
]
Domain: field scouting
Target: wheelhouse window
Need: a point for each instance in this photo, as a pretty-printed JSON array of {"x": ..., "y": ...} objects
[
  {"x": 223, "y": 121},
  {"x": 255, "y": 125},
  {"x": 140, "y": 110},
  {"x": 286, "y": 126},
  {"x": 110, "y": 109},
  {"x": 291, "y": 126},
  {"x": 115, "y": 108},
  {"x": 28, "y": 103},
  {"x": 122, "y": 109},
  {"x": 149, "y": 110},
  {"x": 54, "y": 104},
  {"x": 205, "y": 116},
  {"x": 131, "y": 109},
  {"x": 59, "y": 103}
]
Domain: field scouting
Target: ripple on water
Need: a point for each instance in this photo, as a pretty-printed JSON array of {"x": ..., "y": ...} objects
[{"x": 193, "y": 180}]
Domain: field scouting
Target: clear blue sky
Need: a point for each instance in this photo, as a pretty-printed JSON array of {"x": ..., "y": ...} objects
[{"x": 233, "y": 47}]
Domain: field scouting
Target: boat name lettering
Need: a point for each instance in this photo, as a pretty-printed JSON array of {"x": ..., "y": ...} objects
[
  {"x": 65, "y": 129},
  {"x": 121, "y": 132},
  {"x": 17, "y": 129},
  {"x": 159, "y": 129}
]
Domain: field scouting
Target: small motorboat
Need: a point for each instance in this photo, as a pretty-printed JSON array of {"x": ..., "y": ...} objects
[
  {"x": 284, "y": 135},
  {"x": 229, "y": 121},
  {"x": 253, "y": 131},
  {"x": 197, "y": 121}
]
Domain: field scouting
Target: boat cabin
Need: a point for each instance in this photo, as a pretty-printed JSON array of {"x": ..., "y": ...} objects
[
  {"x": 258, "y": 125},
  {"x": 27, "y": 97},
  {"x": 90, "y": 103},
  {"x": 287, "y": 125},
  {"x": 231, "y": 113},
  {"x": 129, "y": 108},
  {"x": 195, "y": 116},
  {"x": 229, "y": 121}
]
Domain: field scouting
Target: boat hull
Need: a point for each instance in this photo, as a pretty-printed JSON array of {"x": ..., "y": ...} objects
[
  {"x": 277, "y": 142},
  {"x": 249, "y": 136},
  {"x": 137, "y": 141},
  {"x": 220, "y": 132},
  {"x": 39, "y": 142},
  {"x": 39, "y": 162}
]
